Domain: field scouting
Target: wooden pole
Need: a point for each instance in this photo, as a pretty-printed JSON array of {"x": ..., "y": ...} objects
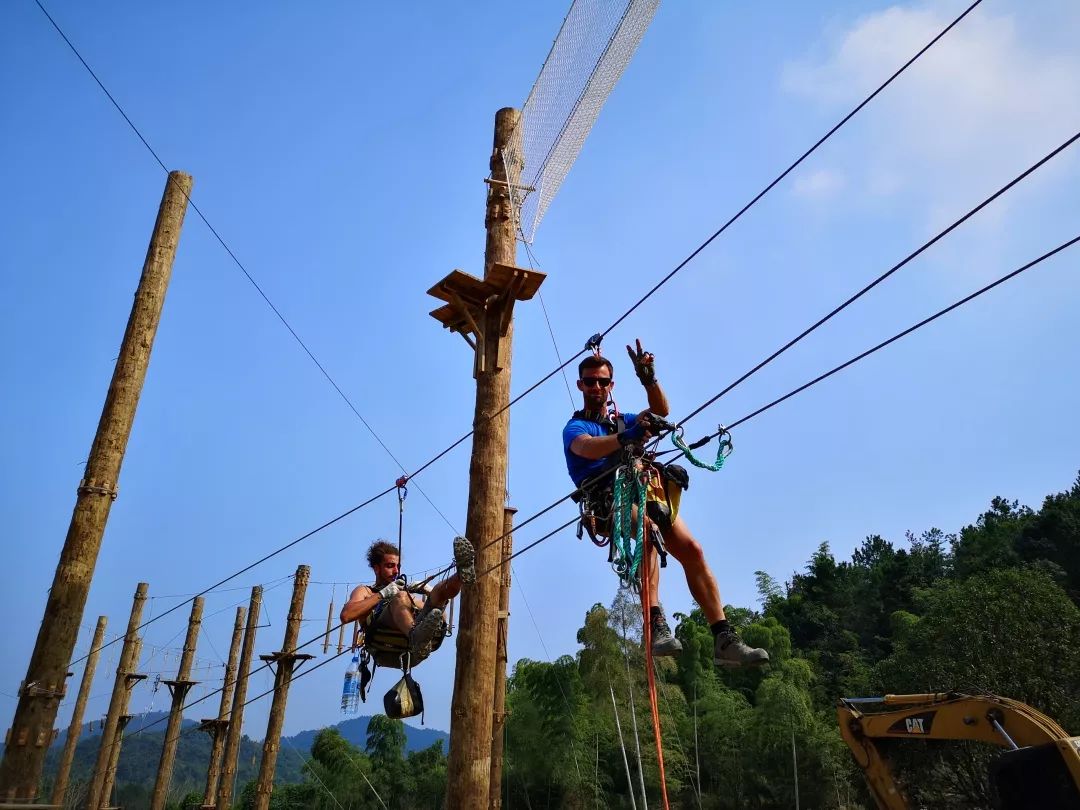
[
  {"x": 329, "y": 625},
  {"x": 286, "y": 659},
  {"x": 63, "y": 773},
  {"x": 622, "y": 746},
  {"x": 469, "y": 768},
  {"x": 122, "y": 686},
  {"x": 179, "y": 689},
  {"x": 42, "y": 690},
  {"x": 121, "y": 725},
  {"x": 218, "y": 727},
  {"x": 498, "y": 718},
  {"x": 236, "y": 716}
]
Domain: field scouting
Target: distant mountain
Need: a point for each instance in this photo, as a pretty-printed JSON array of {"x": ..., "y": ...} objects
[
  {"x": 355, "y": 731},
  {"x": 141, "y": 753}
]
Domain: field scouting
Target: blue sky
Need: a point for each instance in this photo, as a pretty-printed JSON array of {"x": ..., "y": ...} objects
[{"x": 340, "y": 151}]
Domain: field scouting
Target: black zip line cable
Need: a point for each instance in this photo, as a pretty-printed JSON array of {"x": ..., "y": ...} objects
[
  {"x": 236, "y": 260},
  {"x": 862, "y": 355},
  {"x": 824, "y": 376},
  {"x": 793, "y": 166},
  {"x": 244, "y": 570},
  {"x": 896, "y": 267},
  {"x": 556, "y": 370},
  {"x": 903, "y": 262},
  {"x": 907, "y": 331},
  {"x": 723, "y": 227},
  {"x": 217, "y": 691}
]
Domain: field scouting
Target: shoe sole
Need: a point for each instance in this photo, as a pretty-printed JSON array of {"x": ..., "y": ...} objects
[
  {"x": 723, "y": 662},
  {"x": 465, "y": 560},
  {"x": 667, "y": 650},
  {"x": 424, "y": 633}
]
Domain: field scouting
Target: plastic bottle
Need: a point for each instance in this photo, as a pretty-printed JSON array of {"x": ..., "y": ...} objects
[{"x": 351, "y": 688}]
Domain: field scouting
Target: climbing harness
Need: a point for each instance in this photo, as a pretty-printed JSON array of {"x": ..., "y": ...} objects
[{"x": 640, "y": 486}]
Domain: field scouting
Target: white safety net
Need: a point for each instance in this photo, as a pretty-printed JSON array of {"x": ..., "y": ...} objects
[{"x": 594, "y": 45}]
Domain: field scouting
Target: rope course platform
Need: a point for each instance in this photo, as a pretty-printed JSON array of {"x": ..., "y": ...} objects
[{"x": 471, "y": 301}]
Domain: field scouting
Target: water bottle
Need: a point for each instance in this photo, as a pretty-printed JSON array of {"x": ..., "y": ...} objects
[{"x": 351, "y": 689}]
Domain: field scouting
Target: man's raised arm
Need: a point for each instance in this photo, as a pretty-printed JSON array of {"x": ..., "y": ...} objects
[{"x": 645, "y": 368}]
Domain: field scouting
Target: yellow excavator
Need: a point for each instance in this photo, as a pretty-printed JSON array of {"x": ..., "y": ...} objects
[{"x": 1040, "y": 768}]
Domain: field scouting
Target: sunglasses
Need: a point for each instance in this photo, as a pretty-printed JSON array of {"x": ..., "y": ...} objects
[{"x": 593, "y": 382}]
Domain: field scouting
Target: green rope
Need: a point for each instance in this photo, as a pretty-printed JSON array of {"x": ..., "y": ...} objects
[
  {"x": 628, "y": 540},
  {"x": 723, "y": 450}
]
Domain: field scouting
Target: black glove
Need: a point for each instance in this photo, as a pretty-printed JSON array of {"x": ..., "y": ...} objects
[
  {"x": 636, "y": 434},
  {"x": 644, "y": 365}
]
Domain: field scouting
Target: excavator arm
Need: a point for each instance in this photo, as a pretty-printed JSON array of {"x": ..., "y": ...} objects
[{"x": 1043, "y": 761}]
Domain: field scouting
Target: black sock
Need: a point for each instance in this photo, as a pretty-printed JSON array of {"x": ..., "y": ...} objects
[
  {"x": 719, "y": 627},
  {"x": 655, "y": 612}
]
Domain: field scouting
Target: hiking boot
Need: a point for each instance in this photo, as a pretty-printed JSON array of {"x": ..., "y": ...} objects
[
  {"x": 429, "y": 622},
  {"x": 731, "y": 651},
  {"x": 465, "y": 560},
  {"x": 663, "y": 642}
]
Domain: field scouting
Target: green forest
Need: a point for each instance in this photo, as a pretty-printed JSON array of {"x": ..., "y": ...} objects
[{"x": 994, "y": 607}]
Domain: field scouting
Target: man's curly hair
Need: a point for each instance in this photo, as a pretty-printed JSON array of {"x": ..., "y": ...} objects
[{"x": 378, "y": 550}]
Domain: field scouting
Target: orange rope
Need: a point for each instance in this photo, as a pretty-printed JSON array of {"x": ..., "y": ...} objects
[{"x": 646, "y": 605}]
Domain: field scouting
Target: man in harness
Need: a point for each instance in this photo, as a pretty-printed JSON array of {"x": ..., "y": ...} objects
[
  {"x": 394, "y": 616},
  {"x": 594, "y": 440}
]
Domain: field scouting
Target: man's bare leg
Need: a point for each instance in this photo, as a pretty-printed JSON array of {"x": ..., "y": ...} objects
[
  {"x": 654, "y": 558},
  {"x": 728, "y": 649},
  {"x": 430, "y": 618},
  {"x": 654, "y": 574},
  {"x": 699, "y": 578},
  {"x": 401, "y": 612},
  {"x": 446, "y": 590},
  {"x": 664, "y": 642}
]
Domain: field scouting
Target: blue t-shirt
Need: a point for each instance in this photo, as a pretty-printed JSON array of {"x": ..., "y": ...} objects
[{"x": 579, "y": 467}]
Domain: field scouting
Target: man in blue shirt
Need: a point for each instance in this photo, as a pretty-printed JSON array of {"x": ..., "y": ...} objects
[{"x": 593, "y": 441}]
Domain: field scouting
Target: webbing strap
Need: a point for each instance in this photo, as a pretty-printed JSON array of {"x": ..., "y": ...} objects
[{"x": 646, "y": 607}]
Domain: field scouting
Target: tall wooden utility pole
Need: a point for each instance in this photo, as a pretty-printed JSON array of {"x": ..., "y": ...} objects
[
  {"x": 286, "y": 659},
  {"x": 63, "y": 773},
  {"x": 236, "y": 716},
  {"x": 179, "y": 689},
  {"x": 481, "y": 310},
  {"x": 126, "y": 678},
  {"x": 498, "y": 720},
  {"x": 41, "y": 692},
  {"x": 122, "y": 721},
  {"x": 218, "y": 726}
]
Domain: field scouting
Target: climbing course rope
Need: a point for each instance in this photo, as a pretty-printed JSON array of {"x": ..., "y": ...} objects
[
  {"x": 628, "y": 533},
  {"x": 646, "y": 635},
  {"x": 723, "y": 450}
]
